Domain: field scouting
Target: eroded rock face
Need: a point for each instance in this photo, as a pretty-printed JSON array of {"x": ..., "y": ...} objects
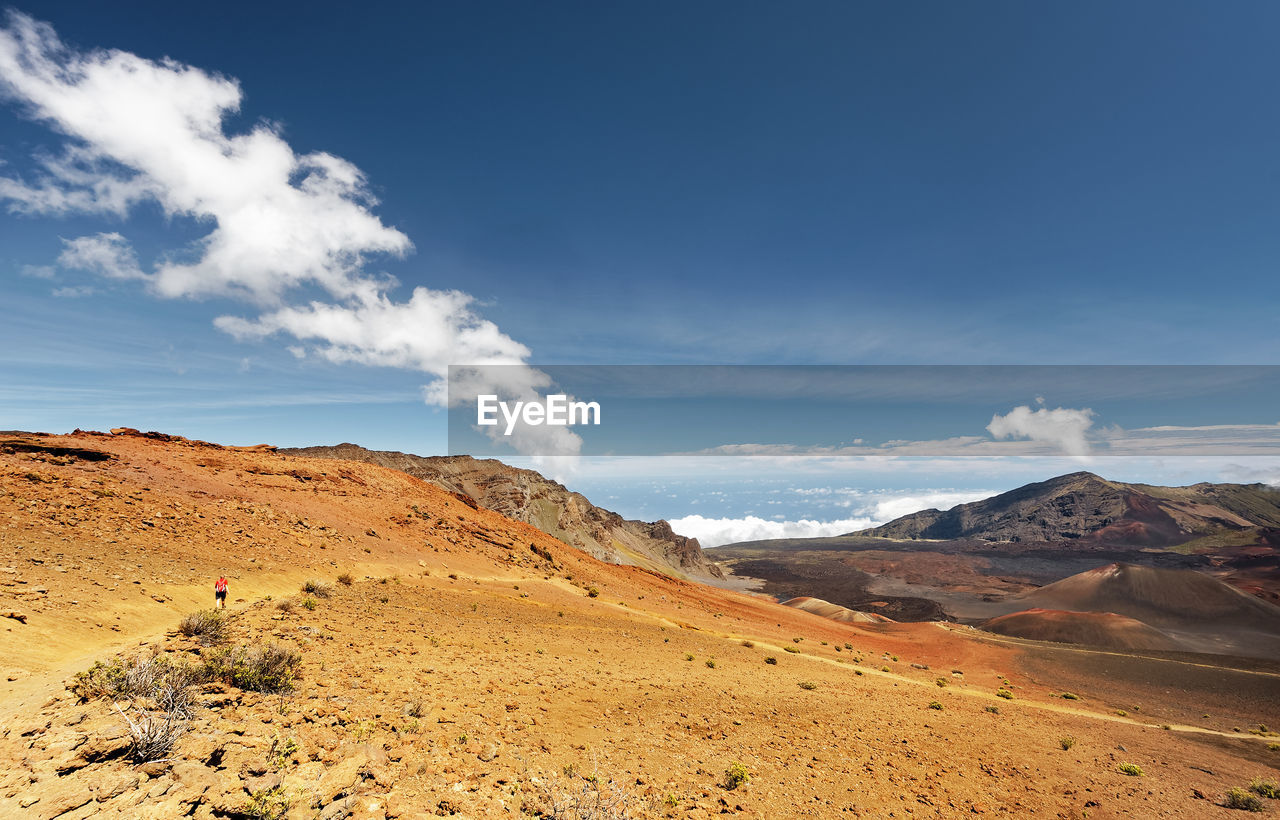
[{"x": 528, "y": 496}]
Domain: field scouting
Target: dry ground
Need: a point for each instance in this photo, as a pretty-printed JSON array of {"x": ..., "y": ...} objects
[{"x": 466, "y": 672}]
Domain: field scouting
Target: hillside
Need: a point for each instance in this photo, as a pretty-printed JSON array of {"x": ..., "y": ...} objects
[
  {"x": 1102, "y": 629},
  {"x": 449, "y": 661},
  {"x": 528, "y": 496},
  {"x": 1092, "y": 511}
]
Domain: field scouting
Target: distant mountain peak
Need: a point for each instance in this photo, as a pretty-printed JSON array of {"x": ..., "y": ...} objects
[{"x": 1085, "y": 507}]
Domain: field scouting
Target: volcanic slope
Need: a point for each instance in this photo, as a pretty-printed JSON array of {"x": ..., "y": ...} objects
[
  {"x": 1104, "y": 629},
  {"x": 457, "y": 663},
  {"x": 1200, "y": 612},
  {"x": 529, "y": 496}
]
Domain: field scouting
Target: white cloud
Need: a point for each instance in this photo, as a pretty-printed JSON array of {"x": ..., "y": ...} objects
[
  {"x": 1063, "y": 427},
  {"x": 38, "y": 271},
  {"x": 73, "y": 292},
  {"x": 140, "y": 130},
  {"x": 713, "y": 532},
  {"x": 887, "y": 509},
  {"x": 106, "y": 254},
  {"x": 147, "y": 130}
]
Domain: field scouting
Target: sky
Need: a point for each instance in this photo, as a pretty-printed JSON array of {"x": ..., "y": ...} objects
[{"x": 281, "y": 224}]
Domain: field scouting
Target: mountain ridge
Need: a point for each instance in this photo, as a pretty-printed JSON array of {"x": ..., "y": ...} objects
[
  {"x": 1086, "y": 508},
  {"x": 528, "y": 496}
]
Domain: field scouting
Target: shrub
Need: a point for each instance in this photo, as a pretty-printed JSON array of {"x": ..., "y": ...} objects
[
  {"x": 1238, "y": 798},
  {"x": 1070, "y": 696},
  {"x": 592, "y": 592},
  {"x": 317, "y": 588},
  {"x": 772, "y": 661},
  {"x": 268, "y": 804},
  {"x": 1273, "y": 747},
  {"x": 345, "y": 579},
  {"x": 1131, "y": 769},
  {"x": 590, "y": 796},
  {"x": 748, "y": 644},
  {"x": 935, "y": 705},
  {"x": 711, "y": 664},
  {"x": 268, "y": 668},
  {"x": 1265, "y": 788},
  {"x": 1004, "y": 693},
  {"x": 209, "y": 626},
  {"x": 154, "y": 677},
  {"x": 688, "y": 656},
  {"x": 735, "y": 776},
  {"x": 995, "y": 710},
  {"x": 285, "y": 605},
  {"x": 308, "y": 603},
  {"x": 941, "y": 682},
  {"x": 1066, "y": 742},
  {"x": 155, "y": 732},
  {"x": 809, "y": 685},
  {"x": 794, "y": 650}
]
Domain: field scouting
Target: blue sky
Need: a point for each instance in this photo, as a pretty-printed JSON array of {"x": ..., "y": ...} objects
[{"x": 655, "y": 183}]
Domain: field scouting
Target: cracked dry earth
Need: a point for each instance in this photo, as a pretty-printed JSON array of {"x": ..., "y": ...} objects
[{"x": 468, "y": 671}]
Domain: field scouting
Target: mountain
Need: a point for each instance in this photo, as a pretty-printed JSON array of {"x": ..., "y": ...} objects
[
  {"x": 826, "y": 609},
  {"x": 1102, "y": 629},
  {"x": 1178, "y": 598},
  {"x": 1096, "y": 512},
  {"x": 529, "y": 496}
]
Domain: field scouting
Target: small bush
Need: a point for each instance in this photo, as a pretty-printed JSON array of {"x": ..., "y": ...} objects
[
  {"x": 345, "y": 579},
  {"x": 735, "y": 776},
  {"x": 942, "y": 682},
  {"x": 1004, "y": 693},
  {"x": 1066, "y": 742},
  {"x": 1265, "y": 788},
  {"x": 688, "y": 656},
  {"x": 269, "y": 668},
  {"x": 995, "y": 710},
  {"x": 592, "y": 592},
  {"x": 285, "y": 605},
  {"x": 809, "y": 685},
  {"x": 748, "y": 644},
  {"x": 1273, "y": 747},
  {"x": 155, "y": 732},
  {"x": 308, "y": 603},
  {"x": 1070, "y": 696},
  {"x": 771, "y": 660},
  {"x": 935, "y": 705},
  {"x": 1131, "y": 769},
  {"x": 209, "y": 626},
  {"x": 1238, "y": 798},
  {"x": 268, "y": 804},
  {"x": 144, "y": 676},
  {"x": 794, "y": 650},
  {"x": 317, "y": 588},
  {"x": 711, "y": 664}
]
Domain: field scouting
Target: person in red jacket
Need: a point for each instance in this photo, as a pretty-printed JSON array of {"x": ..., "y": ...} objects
[{"x": 220, "y": 592}]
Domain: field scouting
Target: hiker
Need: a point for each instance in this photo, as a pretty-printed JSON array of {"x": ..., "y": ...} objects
[{"x": 220, "y": 592}]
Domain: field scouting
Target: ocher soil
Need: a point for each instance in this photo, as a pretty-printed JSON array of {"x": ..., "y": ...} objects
[{"x": 525, "y": 684}]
